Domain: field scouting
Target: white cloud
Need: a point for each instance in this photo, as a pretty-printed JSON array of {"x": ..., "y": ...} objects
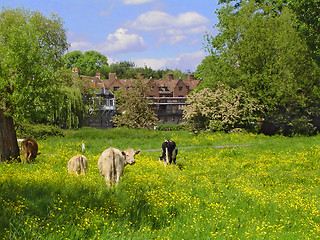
[
  {"x": 158, "y": 20},
  {"x": 121, "y": 41},
  {"x": 197, "y": 30},
  {"x": 171, "y": 29},
  {"x": 136, "y": 2},
  {"x": 172, "y": 40},
  {"x": 184, "y": 61},
  {"x": 190, "y": 19},
  {"x": 117, "y": 42}
]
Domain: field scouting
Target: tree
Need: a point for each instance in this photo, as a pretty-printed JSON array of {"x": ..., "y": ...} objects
[
  {"x": 121, "y": 68},
  {"x": 260, "y": 50},
  {"x": 133, "y": 106},
  {"x": 31, "y": 51},
  {"x": 88, "y": 63},
  {"x": 72, "y": 59},
  {"x": 306, "y": 15},
  {"x": 224, "y": 109}
]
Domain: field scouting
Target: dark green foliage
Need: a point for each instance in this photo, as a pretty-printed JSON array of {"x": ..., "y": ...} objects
[
  {"x": 171, "y": 127},
  {"x": 261, "y": 51},
  {"x": 89, "y": 63},
  {"x": 37, "y": 131}
]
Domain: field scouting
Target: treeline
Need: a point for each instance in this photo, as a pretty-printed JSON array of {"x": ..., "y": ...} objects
[
  {"x": 262, "y": 71},
  {"x": 91, "y": 62}
]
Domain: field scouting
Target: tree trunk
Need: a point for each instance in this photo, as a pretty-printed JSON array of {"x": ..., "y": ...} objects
[{"x": 9, "y": 149}]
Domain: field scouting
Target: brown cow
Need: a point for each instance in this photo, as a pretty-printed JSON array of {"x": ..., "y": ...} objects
[
  {"x": 29, "y": 150},
  {"x": 112, "y": 161},
  {"x": 78, "y": 164}
]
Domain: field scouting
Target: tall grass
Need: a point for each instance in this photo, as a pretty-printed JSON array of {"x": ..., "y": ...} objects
[{"x": 266, "y": 190}]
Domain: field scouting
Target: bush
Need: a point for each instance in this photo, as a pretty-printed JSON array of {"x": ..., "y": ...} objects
[
  {"x": 224, "y": 109},
  {"x": 37, "y": 131}
]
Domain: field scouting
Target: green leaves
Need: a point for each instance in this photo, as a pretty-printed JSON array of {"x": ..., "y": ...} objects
[
  {"x": 89, "y": 63},
  {"x": 32, "y": 81},
  {"x": 135, "y": 111},
  {"x": 260, "y": 49}
]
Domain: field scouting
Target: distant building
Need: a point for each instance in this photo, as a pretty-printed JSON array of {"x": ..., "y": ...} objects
[{"x": 167, "y": 96}]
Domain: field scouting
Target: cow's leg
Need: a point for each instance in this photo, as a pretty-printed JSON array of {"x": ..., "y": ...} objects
[
  {"x": 25, "y": 158},
  {"x": 29, "y": 157},
  {"x": 174, "y": 155},
  {"x": 163, "y": 155},
  {"x": 81, "y": 166},
  {"x": 118, "y": 174},
  {"x": 77, "y": 168},
  {"x": 117, "y": 179},
  {"x": 108, "y": 180}
]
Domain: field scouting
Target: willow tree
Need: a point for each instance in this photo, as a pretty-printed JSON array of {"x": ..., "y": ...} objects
[{"x": 31, "y": 50}]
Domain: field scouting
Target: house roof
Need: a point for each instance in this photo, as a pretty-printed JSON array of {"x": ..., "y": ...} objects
[{"x": 167, "y": 86}]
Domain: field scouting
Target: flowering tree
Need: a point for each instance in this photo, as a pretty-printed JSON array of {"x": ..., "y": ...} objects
[{"x": 221, "y": 110}]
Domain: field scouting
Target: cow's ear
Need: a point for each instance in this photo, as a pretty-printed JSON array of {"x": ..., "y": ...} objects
[
  {"x": 123, "y": 153},
  {"x": 137, "y": 152}
]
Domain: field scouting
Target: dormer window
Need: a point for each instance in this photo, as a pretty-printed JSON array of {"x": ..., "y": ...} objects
[
  {"x": 180, "y": 89},
  {"x": 165, "y": 89}
]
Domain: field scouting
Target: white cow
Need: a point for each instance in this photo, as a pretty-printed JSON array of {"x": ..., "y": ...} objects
[
  {"x": 78, "y": 164},
  {"x": 112, "y": 161}
]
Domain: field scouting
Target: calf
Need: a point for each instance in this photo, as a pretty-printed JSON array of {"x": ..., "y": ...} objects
[
  {"x": 112, "y": 161},
  {"x": 169, "y": 152},
  {"x": 78, "y": 164},
  {"x": 29, "y": 150}
]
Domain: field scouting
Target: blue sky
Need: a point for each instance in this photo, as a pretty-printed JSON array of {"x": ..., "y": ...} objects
[{"x": 157, "y": 33}]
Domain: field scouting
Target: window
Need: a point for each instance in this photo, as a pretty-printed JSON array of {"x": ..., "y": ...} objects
[
  {"x": 115, "y": 89},
  {"x": 109, "y": 102},
  {"x": 165, "y": 89},
  {"x": 180, "y": 89}
]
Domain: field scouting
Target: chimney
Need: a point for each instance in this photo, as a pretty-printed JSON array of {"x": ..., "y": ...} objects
[
  {"x": 190, "y": 77},
  {"x": 169, "y": 76},
  {"x": 75, "y": 70},
  {"x": 141, "y": 75},
  {"x": 112, "y": 76},
  {"x": 98, "y": 75}
]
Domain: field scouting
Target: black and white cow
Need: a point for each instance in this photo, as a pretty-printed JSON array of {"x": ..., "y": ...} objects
[{"x": 169, "y": 152}]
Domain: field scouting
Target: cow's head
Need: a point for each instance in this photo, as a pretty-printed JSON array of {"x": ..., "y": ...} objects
[{"x": 129, "y": 156}]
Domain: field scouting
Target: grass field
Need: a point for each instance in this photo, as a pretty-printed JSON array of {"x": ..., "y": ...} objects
[{"x": 268, "y": 189}]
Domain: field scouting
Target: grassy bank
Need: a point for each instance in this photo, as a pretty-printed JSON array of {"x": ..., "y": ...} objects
[{"x": 268, "y": 190}]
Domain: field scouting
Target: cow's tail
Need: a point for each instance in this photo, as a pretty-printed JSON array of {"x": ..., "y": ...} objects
[
  {"x": 167, "y": 155},
  {"x": 82, "y": 165},
  {"x": 24, "y": 144}
]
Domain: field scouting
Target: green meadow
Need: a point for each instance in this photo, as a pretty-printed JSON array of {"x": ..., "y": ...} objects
[{"x": 224, "y": 186}]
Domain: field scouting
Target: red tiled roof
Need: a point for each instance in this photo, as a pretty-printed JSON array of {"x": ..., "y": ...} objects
[{"x": 170, "y": 84}]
